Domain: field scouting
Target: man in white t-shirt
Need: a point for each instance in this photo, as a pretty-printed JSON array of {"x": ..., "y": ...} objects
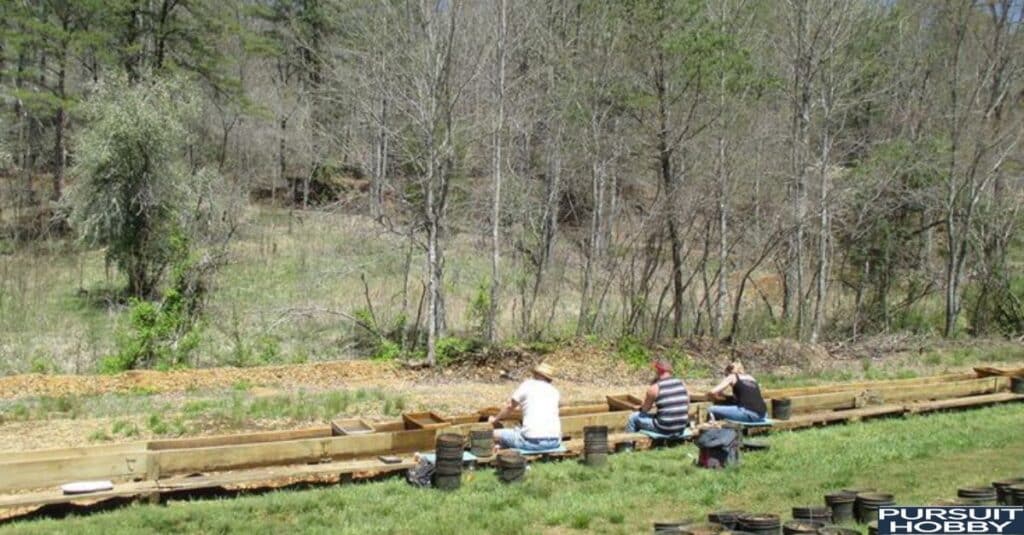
[{"x": 542, "y": 428}]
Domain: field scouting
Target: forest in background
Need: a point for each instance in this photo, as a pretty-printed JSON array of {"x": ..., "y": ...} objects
[{"x": 510, "y": 170}]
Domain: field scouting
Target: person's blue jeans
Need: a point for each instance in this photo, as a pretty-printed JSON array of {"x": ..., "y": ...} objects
[
  {"x": 513, "y": 438},
  {"x": 734, "y": 413},
  {"x": 639, "y": 421}
]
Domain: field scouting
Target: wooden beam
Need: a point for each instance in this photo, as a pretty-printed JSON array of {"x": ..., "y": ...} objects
[
  {"x": 69, "y": 453},
  {"x": 863, "y": 385},
  {"x": 892, "y": 394},
  {"x": 958, "y": 403},
  {"x": 48, "y": 472},
  {"x": 238, "y": 456},
  {"x": 810, "y": 420},
  {"x": 826, "y": 402},
  {"x": 322, "y": 431},
  {"x": 990, "y": 372}
]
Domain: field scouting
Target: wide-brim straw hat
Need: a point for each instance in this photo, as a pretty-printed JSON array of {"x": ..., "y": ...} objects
[{"x": 544, "y": 370}]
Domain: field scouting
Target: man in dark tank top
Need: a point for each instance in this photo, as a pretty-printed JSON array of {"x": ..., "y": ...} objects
[
  {"x": 750, "y": 405},
  {"x": 669, "y": 396}
]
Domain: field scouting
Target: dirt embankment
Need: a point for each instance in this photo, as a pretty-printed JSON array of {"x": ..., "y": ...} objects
[
  {"x": 577, "y": 363},
  {"x": 586, "y": 373}
]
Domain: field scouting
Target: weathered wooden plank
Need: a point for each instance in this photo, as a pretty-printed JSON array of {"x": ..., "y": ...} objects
[
  {"x": 1001, "y": 372},
  {"x": 309, "y": 450},
  {"x": 825, "y": 402},
  {"x": 257, "y": 477},
  {"x": 892, "y": 394},
  {"x": 241, "y": 438},
  {"x": 292, "y": 451},
  {"x": 51, "y": 497},
  {"x": 812, "y": 419},
  {"x": 956, "y": 403},
  {"x": 36, "y": 474},
  {"x": 863, "y": 385},
  {"x": 69, "y": 453},
  {"x": 270, "y": 475}
]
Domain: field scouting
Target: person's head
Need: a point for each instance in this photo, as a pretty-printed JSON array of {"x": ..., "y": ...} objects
[
  {"x": 735, "y": 367},
  {"x": 662, "y": 366},
  {"x": 543, "y": 372}
]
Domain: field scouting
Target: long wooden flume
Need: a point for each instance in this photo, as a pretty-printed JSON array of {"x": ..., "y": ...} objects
[{"x": 350, "y": 449}]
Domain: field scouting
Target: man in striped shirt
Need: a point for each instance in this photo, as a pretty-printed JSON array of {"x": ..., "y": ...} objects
[{"x": 668, "y": 395}]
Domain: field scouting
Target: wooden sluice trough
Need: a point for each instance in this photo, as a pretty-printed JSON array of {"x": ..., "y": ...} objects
[{"x": 149, "y": 469}]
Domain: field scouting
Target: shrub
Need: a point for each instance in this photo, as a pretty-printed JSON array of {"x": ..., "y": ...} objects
[
  {"x": 451, "y": 349},
  {"x": 132, "y": 183},
  {"x": 161, "y": 334},
  {"x": 633, "y": 351},
  {"x": 387, "y": 350}
]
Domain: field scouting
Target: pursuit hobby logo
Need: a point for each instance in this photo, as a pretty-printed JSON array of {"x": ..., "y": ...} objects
[{"x": 951, "y": 520}]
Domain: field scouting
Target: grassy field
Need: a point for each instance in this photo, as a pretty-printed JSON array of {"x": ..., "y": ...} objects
[
  {"x": 291, "y": 280},
  {"x": 920, "y": 459},
  {"x": 293, "y": 283}
]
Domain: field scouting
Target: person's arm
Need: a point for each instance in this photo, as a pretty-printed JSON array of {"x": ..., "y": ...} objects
[
  {"x": 652, "y": 394},
  {"x": 513, "y": 403},
  {"x": 716, "y": 392},
  {"x": 505, "y": 411}
]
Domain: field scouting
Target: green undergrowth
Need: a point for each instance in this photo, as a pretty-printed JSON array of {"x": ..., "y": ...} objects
[{"x": 919, "y": 458}]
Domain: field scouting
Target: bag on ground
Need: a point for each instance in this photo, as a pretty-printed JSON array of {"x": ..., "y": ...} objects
[
  {"x": 421, "y": 475},
  {"x": 719, "y": 448}
]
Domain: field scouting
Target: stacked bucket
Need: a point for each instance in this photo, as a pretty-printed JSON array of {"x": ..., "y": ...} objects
[
  {"x": 841, "y": 505},
  {"x": 759, "y": 523},
  {"x": 807, "y": 520},
  {"x": 448, "y": 471},
  {"x": 481, "y": 442},
  {"x": 511, "y": 466},
  {"x": 595, "y": 445},
  {"x": 867, "y": 504},
  {"x": 1004, "y": 490},
  {"x": 977, "y": 495}
]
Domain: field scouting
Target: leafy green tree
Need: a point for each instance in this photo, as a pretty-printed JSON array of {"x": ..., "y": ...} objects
[{"x": 132, "y": 183}]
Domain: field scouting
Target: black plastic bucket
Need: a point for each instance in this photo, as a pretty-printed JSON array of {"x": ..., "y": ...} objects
[
  {"x": 481, "y": 443},
  {"x": 801, "y": 527},
  {"x": 1017, "y": 385},
  {"x": 813, "y": 513},
  {"x": 448, "y": 460},
  {"x": 625, "y": 447},
  {"x": 841, "y": 504},
  {"x": 704, "y": 528},
  {"x": 837, "y": 530},
  {"x": 447, "y": 482},
  {"x": 781, "y": 408},
  {"x": 868, "y": 504},
  {"x": 671, "y": 527},
  {"x": 451, "y": 441},
  {"x": 595, "y": 445},
  {"x": 725, "y": 518},
  {"x": 1015, "y": 493},
  {"x": 1002, "y": 489},
  {"x": 510, "y": 466},
  {"x": 978, "y": 495},
  {"x": 759, "y": 523}
]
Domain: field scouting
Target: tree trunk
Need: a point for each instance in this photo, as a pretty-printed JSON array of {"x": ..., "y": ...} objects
[
  {"x": 723, "y": 254},
  {"x": 492, "y": 313},
  {"x": 671, "y": 186},
  {"x": 282, "y": 156},
  {"x": 60, "y": 152},
  {"x": 825, "y": 231}
]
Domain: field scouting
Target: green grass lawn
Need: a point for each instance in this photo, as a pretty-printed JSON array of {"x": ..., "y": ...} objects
[{"x": 920, "y": 459}]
